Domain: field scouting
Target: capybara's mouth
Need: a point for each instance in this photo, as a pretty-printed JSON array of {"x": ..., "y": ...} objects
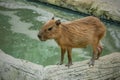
[{"x": 41, "y": 39}]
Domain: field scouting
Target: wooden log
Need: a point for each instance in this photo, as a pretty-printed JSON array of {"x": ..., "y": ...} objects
[{"x": 106, "y": 68}]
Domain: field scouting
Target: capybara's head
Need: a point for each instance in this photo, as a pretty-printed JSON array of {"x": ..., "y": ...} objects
[{"x": 50, "y": 30}]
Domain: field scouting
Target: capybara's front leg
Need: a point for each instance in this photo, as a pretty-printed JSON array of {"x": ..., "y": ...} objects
[
  {"x": 63, "y": 50},
  {"x": 69, "y": 57}
]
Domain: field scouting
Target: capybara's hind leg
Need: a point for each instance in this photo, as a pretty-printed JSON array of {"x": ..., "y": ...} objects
[
  {"x": 94, "y": 55},
  {"x": 99, "y": 48},
  {"x": 95, "y": 52}
]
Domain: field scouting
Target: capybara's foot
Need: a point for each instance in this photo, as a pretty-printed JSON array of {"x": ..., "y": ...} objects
[
  {"x": 97, "y": 58},
  {"x": 60, "y": 63},
  {"x": 91, "y": 63},
  {"x": 68, "y": 65}
]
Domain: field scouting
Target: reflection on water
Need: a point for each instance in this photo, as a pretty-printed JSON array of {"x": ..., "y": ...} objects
[{"x": 19, "y": 25}]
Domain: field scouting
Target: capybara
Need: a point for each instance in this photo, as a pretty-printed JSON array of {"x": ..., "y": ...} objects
[{"x": 75, "y": 34}]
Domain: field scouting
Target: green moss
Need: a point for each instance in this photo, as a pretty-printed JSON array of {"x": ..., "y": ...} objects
[
  {"x": 28, "y": 15},
  {"x": 3, "y": 8}
]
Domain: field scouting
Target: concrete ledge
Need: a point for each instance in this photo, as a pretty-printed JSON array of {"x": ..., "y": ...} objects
[
  {"x": 106, "y": 68},
  {"x": 107, "y": 9}
]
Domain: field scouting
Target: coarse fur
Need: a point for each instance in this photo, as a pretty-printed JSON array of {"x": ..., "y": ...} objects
[{"x": 75, "y": 34}]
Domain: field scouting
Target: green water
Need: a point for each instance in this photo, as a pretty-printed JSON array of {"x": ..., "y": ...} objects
[{"x": 20, "y": 21}]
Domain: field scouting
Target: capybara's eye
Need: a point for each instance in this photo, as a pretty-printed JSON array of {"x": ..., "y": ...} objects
[{"x": 49, "y": 29}]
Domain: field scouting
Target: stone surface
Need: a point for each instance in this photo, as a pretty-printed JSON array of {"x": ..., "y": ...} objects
[
  {"x": 108, "y": 9},
  {"x": 18, "y": 69},
  {"x": 106, "y": 68}
]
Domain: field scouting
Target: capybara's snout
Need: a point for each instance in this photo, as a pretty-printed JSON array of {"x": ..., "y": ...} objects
[{"x": 39, "y": 36}]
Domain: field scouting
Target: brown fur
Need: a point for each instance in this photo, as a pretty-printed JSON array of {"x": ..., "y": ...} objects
[{"x": 75, "y": 34}]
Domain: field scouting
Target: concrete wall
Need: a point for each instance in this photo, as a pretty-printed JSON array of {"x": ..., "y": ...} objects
[{"x": 108, "y": 9}]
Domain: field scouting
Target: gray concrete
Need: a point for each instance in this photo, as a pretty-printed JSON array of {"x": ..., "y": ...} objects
[
  {"x": 106, "y": 68},
  {"x": 108, "y": 9}
]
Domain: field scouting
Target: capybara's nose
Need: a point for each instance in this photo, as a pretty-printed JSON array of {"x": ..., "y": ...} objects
[{"x": 39, "y": 36}]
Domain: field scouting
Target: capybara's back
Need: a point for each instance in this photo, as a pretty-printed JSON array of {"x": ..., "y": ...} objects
[
  {"x": 75, "y": 34},
  {"x": 81, "y": 32}
]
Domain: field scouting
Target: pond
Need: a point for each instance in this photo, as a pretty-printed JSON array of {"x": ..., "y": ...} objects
[{"x": 20, "y": 21}]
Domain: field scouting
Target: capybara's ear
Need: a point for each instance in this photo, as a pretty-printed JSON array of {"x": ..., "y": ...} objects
[
  {"x": 53, "y": 18},
  {"x": 58, "y": 22}
]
